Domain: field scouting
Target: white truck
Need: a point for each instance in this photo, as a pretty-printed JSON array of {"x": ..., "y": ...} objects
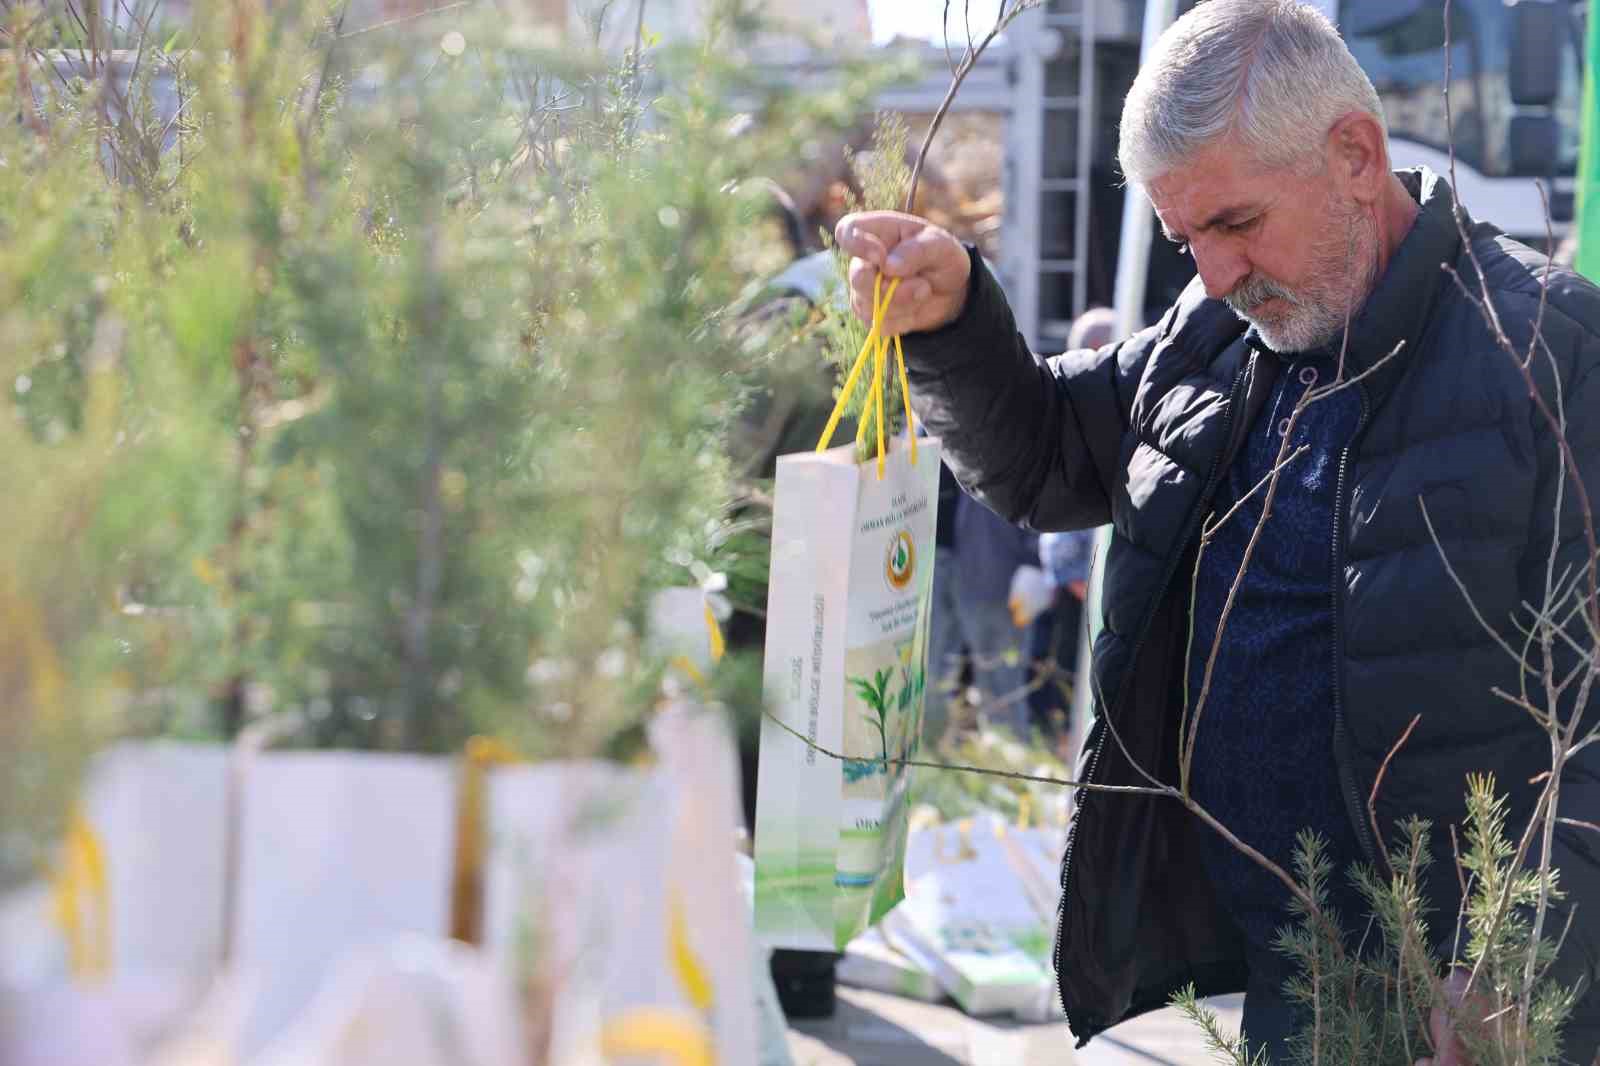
[{"x": 1516, "y": 85}]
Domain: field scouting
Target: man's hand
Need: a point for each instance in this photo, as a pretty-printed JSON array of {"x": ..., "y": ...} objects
[
  {"x": 932, "y": 263},
  {"x": 1450, "y": 1049},
  {"x": 1030, "y": 597}
]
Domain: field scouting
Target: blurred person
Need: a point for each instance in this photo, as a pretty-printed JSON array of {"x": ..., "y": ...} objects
[
  {"x": 1065, "y": 560},
  {"x": 989, "y": 552},
  {"x": 1263, "y": 147},
  {"x": 1095, "y": 328}
]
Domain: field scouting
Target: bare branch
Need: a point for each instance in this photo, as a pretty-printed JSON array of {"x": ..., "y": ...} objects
[
  {"x": 1041, "y": 779},
  {"x": 1003, "y": 19},
  {"x": 402, "y": 20},
  {"x": 1377, "y": 783},
  {"x": 1212, "y": 526},
  {"x": 1461, "y": 586}
]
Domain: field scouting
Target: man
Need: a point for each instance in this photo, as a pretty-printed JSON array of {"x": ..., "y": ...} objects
[{"x": 1263, "y": 148}]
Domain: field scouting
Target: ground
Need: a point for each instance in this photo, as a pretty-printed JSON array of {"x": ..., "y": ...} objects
[{"x": 875, "y": 1029}]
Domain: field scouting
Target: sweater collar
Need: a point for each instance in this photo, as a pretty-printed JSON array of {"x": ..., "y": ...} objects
[{"x": 1397, "y": 311}]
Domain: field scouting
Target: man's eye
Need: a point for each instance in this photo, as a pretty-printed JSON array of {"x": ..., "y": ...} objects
[{"x": 1240, "y": 227}]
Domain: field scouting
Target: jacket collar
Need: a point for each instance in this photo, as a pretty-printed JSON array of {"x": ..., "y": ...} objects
[{"x": 1403, "y": 300}]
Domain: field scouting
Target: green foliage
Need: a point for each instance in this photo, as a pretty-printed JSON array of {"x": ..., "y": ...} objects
[
  {"x": 884, "y": 176},
  {"x": 1223, "y": 1046},
  {"x": 384, "y": 397},
  {"x": 1371, "y": 1001}
]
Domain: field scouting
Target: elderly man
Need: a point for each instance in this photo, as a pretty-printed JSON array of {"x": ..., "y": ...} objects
[{"x": 1263, "y": 148}]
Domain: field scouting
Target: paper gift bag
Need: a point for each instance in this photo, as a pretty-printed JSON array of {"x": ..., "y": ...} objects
[
  {"x": 980, "y": 913},
  {"x": 340, "y": 851},
  {"x": 848, "y": 602},
  {"x": 871, "y": 962},
  {"x": 845, "y": 668},
  {"x": 136, "y": 888},
  {"x": 613, "y": 892}
]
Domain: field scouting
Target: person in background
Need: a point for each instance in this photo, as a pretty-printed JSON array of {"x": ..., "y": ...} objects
[
  {"x": 990, "y": 552},
  {"x": 1065, "y": 560},
  {"x": 1095, "y": 328}
]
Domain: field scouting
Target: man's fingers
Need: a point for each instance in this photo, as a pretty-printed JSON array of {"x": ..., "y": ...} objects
[
  {"x": 1449, "y": 1049},
  {"x": 902, "y": 309},
  {"x": 859, "y": 241},
  {"x": 863, "y": 274},
  {"x": 930, "y": 266},
  {"x": 872, "y": 235},
  {"x": 913, "y": 290},
  {"x": 930, "y": 253}
]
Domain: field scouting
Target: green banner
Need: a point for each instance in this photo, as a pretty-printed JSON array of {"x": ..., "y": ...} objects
[{"x": 1588, "y": 260}]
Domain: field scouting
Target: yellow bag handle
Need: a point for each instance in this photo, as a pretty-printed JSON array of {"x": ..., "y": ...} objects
[
  {"x": 876, "y": 347},
  {"x": 82, "y": 900}
]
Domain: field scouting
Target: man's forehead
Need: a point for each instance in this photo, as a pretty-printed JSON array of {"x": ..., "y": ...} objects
[{"x": 1189, "y": 203}]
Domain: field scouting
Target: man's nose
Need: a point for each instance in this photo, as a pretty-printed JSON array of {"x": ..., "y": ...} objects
[{"x": 1222, "y": 266}]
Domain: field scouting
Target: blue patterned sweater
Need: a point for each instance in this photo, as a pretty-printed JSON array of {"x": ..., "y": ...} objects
[{"x": 1264, "y": 762}]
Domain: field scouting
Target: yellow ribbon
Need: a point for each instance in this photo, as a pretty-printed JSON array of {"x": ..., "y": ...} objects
[
  {"x": 657, "y": 1034},
  {"x": 686, "y": 966},
  {"x": 719, "y": 648},
  {"x": 876, "y": 349},
  {"x": 83, "y": 900},
  {"x": 466, "y": 878}
]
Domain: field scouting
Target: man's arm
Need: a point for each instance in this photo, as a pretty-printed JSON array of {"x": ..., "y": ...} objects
[{"x": 1038, "y": 441}]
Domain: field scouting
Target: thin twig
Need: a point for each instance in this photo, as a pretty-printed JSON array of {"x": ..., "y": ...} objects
[
  {"x": 1003, "y": 19},
  {"x": 1461, "y": 585},
  {"x": 1377, "y": 783},
  {"x": 402, "y": 20},
  {"x": 1040, "y": 779},
  {"x": 1212, "y": 526}
]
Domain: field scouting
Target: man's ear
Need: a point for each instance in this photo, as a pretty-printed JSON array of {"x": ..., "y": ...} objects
[{"x": 1356, "y": 148}]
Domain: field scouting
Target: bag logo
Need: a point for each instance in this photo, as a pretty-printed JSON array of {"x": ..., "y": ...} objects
[{"x": 900, "y": 566}]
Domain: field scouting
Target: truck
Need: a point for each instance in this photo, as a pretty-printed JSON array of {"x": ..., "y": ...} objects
[{"x": 1515, "y": 90}]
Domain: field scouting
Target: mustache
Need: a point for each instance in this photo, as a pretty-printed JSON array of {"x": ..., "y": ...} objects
[{"x": 1255, "y": 290}]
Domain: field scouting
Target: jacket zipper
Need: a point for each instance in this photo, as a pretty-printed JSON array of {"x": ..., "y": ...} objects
[
  {"x": 1341, "y": 737},
  {"x": 1206, "y": 493}
]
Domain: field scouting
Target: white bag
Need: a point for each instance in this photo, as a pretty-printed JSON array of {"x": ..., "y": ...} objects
[
  {"x": 980, "y": 911},
  {"x": 414, "y": 1002},
  {"x": 342, "y": 851},
  {"x": 615, "y": 892},
  {"x": 871, "y": 962},
  {"x": 847, "y": 622}
]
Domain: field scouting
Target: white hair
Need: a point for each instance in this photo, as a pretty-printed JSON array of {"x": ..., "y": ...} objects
[{"x": 1274, "y": 74}]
